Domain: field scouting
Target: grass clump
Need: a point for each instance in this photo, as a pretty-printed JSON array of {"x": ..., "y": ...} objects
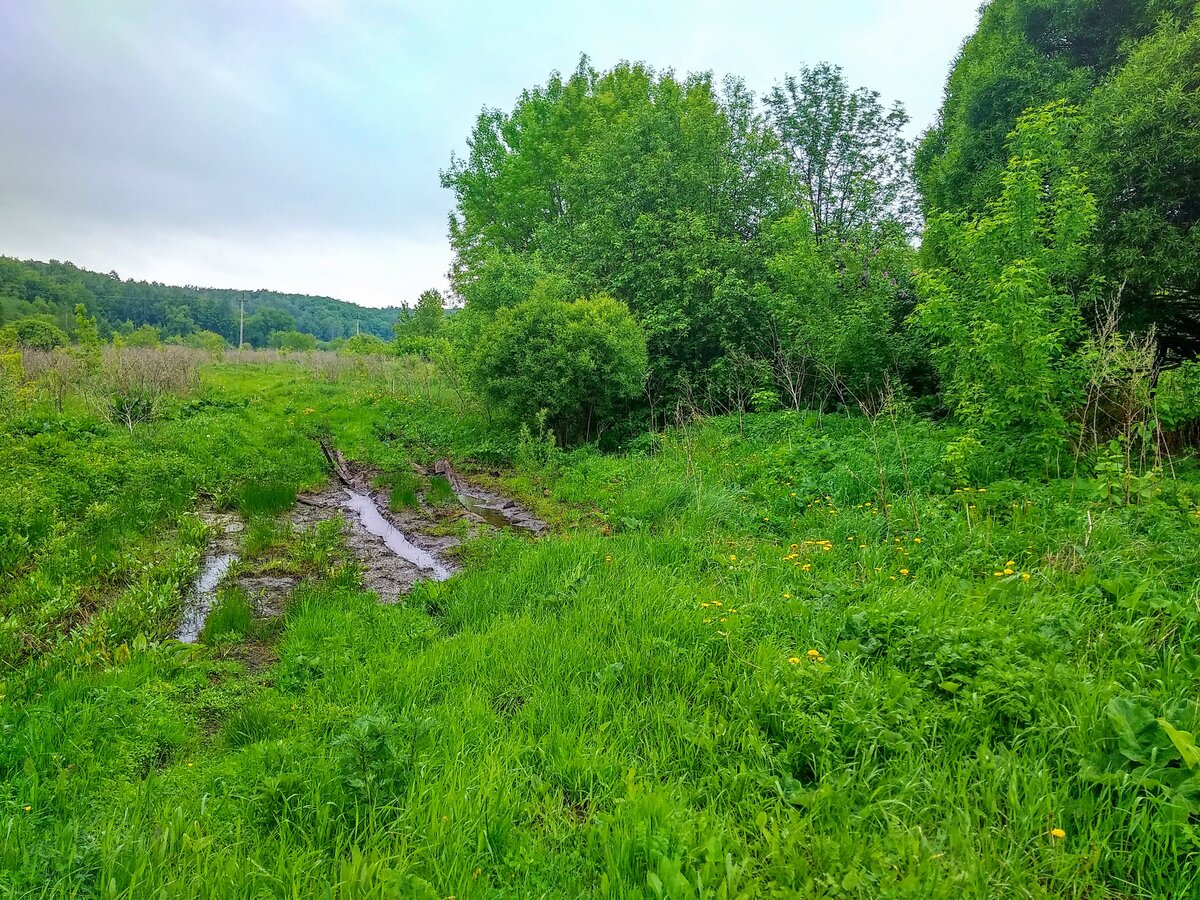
[{"x": 229, "y": 619}]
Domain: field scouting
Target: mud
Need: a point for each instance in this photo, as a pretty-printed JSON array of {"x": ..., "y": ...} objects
[
  {"x": 400, "y": 553},
  {"x": 485, "y": 505}
]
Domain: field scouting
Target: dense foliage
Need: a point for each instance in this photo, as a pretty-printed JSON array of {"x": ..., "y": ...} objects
[{"x": 1132, "y": 67}]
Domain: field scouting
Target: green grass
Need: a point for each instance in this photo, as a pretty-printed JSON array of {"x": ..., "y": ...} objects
[
  {"x": 626, "y": 707},
  {"x": 230, "y": 617}
]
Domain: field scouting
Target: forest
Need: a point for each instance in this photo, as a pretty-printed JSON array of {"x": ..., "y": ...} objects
[
  {"x": 47, "y": 294},
  {"x": 776, "y": 505}
]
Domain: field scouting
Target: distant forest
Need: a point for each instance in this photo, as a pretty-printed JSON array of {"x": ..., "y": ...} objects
[{"x": 50, "y": 291}]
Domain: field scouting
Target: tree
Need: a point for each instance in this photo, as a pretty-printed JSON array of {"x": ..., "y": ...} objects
[
  {"x": 837, "y": 311},
  {"x": 1142, "y": 146},
  {"x": 38, "y": 334},
  {"x": 260, "y": 325},
  {"x": 577, "y": 364},
  {"x": 636, "y": 184},
  {"x": 363, "y": 345},
  {"x": 146, "y": 336},
  {"x": 291, "y": 340},
  {"x": 847, "y": 151},
  {"x": 427, "y": 319},
  {"x": 1003, "y": 313}
]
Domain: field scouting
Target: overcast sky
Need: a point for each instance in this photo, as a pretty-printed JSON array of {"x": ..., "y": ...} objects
[{"x": 295, "y": 144}]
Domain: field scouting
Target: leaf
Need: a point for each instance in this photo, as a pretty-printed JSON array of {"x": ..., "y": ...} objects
[
  {"x": 1131, "y": 722},
  {"x": 1184, "y": 743}
]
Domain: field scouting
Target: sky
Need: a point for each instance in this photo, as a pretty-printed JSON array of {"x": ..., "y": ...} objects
[{"x": 296, "y": 144}]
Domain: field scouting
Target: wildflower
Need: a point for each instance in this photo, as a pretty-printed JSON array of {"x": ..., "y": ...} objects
[
  {"x": 704, "y": 606},
  {"x": 716, "y": 603},
  {"x": 607, "y": 558},
  {"x": 733, "y": 557},
  {"x": 1011, "y": 562},
  {"x": 708, "y": 621},
  {"x": 28, "y": 808},
  {"x": 1057, "y": 833},
  {"x": 820, "y": 659},
  {"x": 1008, "y": 571},
  {"x": 904, "y": 571},
  {"x": 723, "y": 621},
  {"x": 805, "y": 567},
  {"x": 916, "y": 540},
  {"x": 862, "y": 546},
  {"x": 794, "y": 547},
  {"x": 813, "y": 654},
  {"x": 792, "y": 659},
  {"x": 1024, "y": 576},
  {"x": 998, "y": 574},
  {"x": 787, "y": 596}
]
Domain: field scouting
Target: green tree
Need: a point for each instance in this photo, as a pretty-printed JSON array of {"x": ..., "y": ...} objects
[
  {"x": 577, "y": 364},
  {"x": 260, "y": 325},
  {"x": 1003, "y": 313},
  {"x": 846, "y": 150},
  {"x": 427, "y": 318},
  {"x": 631, "y": 183},
  {"x": 147, "y": 337},
  {"x": 38, "y": 334},
  {"x": 363, "y": 345},
  {"x": 1142, "y": 147},
  {"x": 291, "y": 340}
]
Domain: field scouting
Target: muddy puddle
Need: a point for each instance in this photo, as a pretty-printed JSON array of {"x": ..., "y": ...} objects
[
  {"x": 203, "y": 595},
  {"x": 395, "y": 549},
  {"x": 489, "y": 506}
]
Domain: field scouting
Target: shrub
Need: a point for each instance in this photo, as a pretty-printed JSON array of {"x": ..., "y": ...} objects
[
  {"x": 37, "y": 334},
  {"x": 580, "y": 362}
]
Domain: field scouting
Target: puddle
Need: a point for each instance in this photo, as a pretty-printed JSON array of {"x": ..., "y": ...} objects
[
  {"x": 490, "y": 514},
  {"x": 202, "y": 595},
  {"x": 374, "y": 522}
]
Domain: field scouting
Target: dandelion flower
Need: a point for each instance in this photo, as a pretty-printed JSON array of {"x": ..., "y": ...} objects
[
  {"x": 787, "y": 596},
  {"x": 733, "y": 557},
  {"x": 820, "y": 659},
  {"x": 813, "y": 654},
  {"x": 916, "y": 540},
  {"x": 28, "y": 808},
  {"x": 1008, "y": 571},
  {"x": 716, "y": 603},
  {"x": 1024, "y": 576},
  {"x": 792, "y": 659},
  {"x": 904, "y": 571},
  {"x": 1057, "y": 833}
]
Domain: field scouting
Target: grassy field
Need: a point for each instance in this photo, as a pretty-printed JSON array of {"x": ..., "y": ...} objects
[{"x": 779, "y": 655}]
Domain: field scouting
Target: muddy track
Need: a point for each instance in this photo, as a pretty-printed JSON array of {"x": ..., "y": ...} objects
[{"x": 395, "y": 549}]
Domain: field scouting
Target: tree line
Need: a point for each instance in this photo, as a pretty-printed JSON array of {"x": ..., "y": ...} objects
[
  {"x": 39, "y": 300},
  {"x": 629, "y": 239}
]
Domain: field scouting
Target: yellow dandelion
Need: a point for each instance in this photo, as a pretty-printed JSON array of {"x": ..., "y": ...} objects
[
  {"x": 28, "y": 808},
  {"x": 792, "y": 659},
  {"x": 787, "y": 596},
  {"x": 1008, "y": 571},
  {"x": 1057, "y": 833},
  {"x": 1024, "y": 576},
  {"x": 733, "y": 557},
  {"x": 916, "y": 540},
  {"x": 904, "y": 571},
  {"x": 813, "y": 654}
]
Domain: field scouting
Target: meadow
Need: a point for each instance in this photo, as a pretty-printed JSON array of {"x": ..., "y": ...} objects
[{"x": 766, "y": 655}]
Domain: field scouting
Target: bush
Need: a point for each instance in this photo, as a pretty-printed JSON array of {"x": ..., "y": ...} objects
[
  {"x": 578, "y": 362},
  {"x": 37, "y": 334}
]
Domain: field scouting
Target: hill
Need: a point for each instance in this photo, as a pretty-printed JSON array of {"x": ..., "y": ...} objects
[{"x": 51, "y": 290}]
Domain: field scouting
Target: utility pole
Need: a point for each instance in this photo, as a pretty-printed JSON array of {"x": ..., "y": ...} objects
[
  {"x": 356, "y": 327},
  {"x": 241, "y": 321}
]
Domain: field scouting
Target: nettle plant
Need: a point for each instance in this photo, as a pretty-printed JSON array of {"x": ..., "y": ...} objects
[{"x": 1003, "y": 315}]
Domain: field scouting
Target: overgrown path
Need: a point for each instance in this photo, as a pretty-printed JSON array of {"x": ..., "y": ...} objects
[{"x": 726, "y": 672}]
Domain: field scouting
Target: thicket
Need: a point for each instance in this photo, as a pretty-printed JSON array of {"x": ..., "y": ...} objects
[{"x": 1009, "y": 271}]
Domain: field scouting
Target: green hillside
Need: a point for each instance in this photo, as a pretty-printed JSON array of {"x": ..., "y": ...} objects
[{"x": 31, "y": 288}]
